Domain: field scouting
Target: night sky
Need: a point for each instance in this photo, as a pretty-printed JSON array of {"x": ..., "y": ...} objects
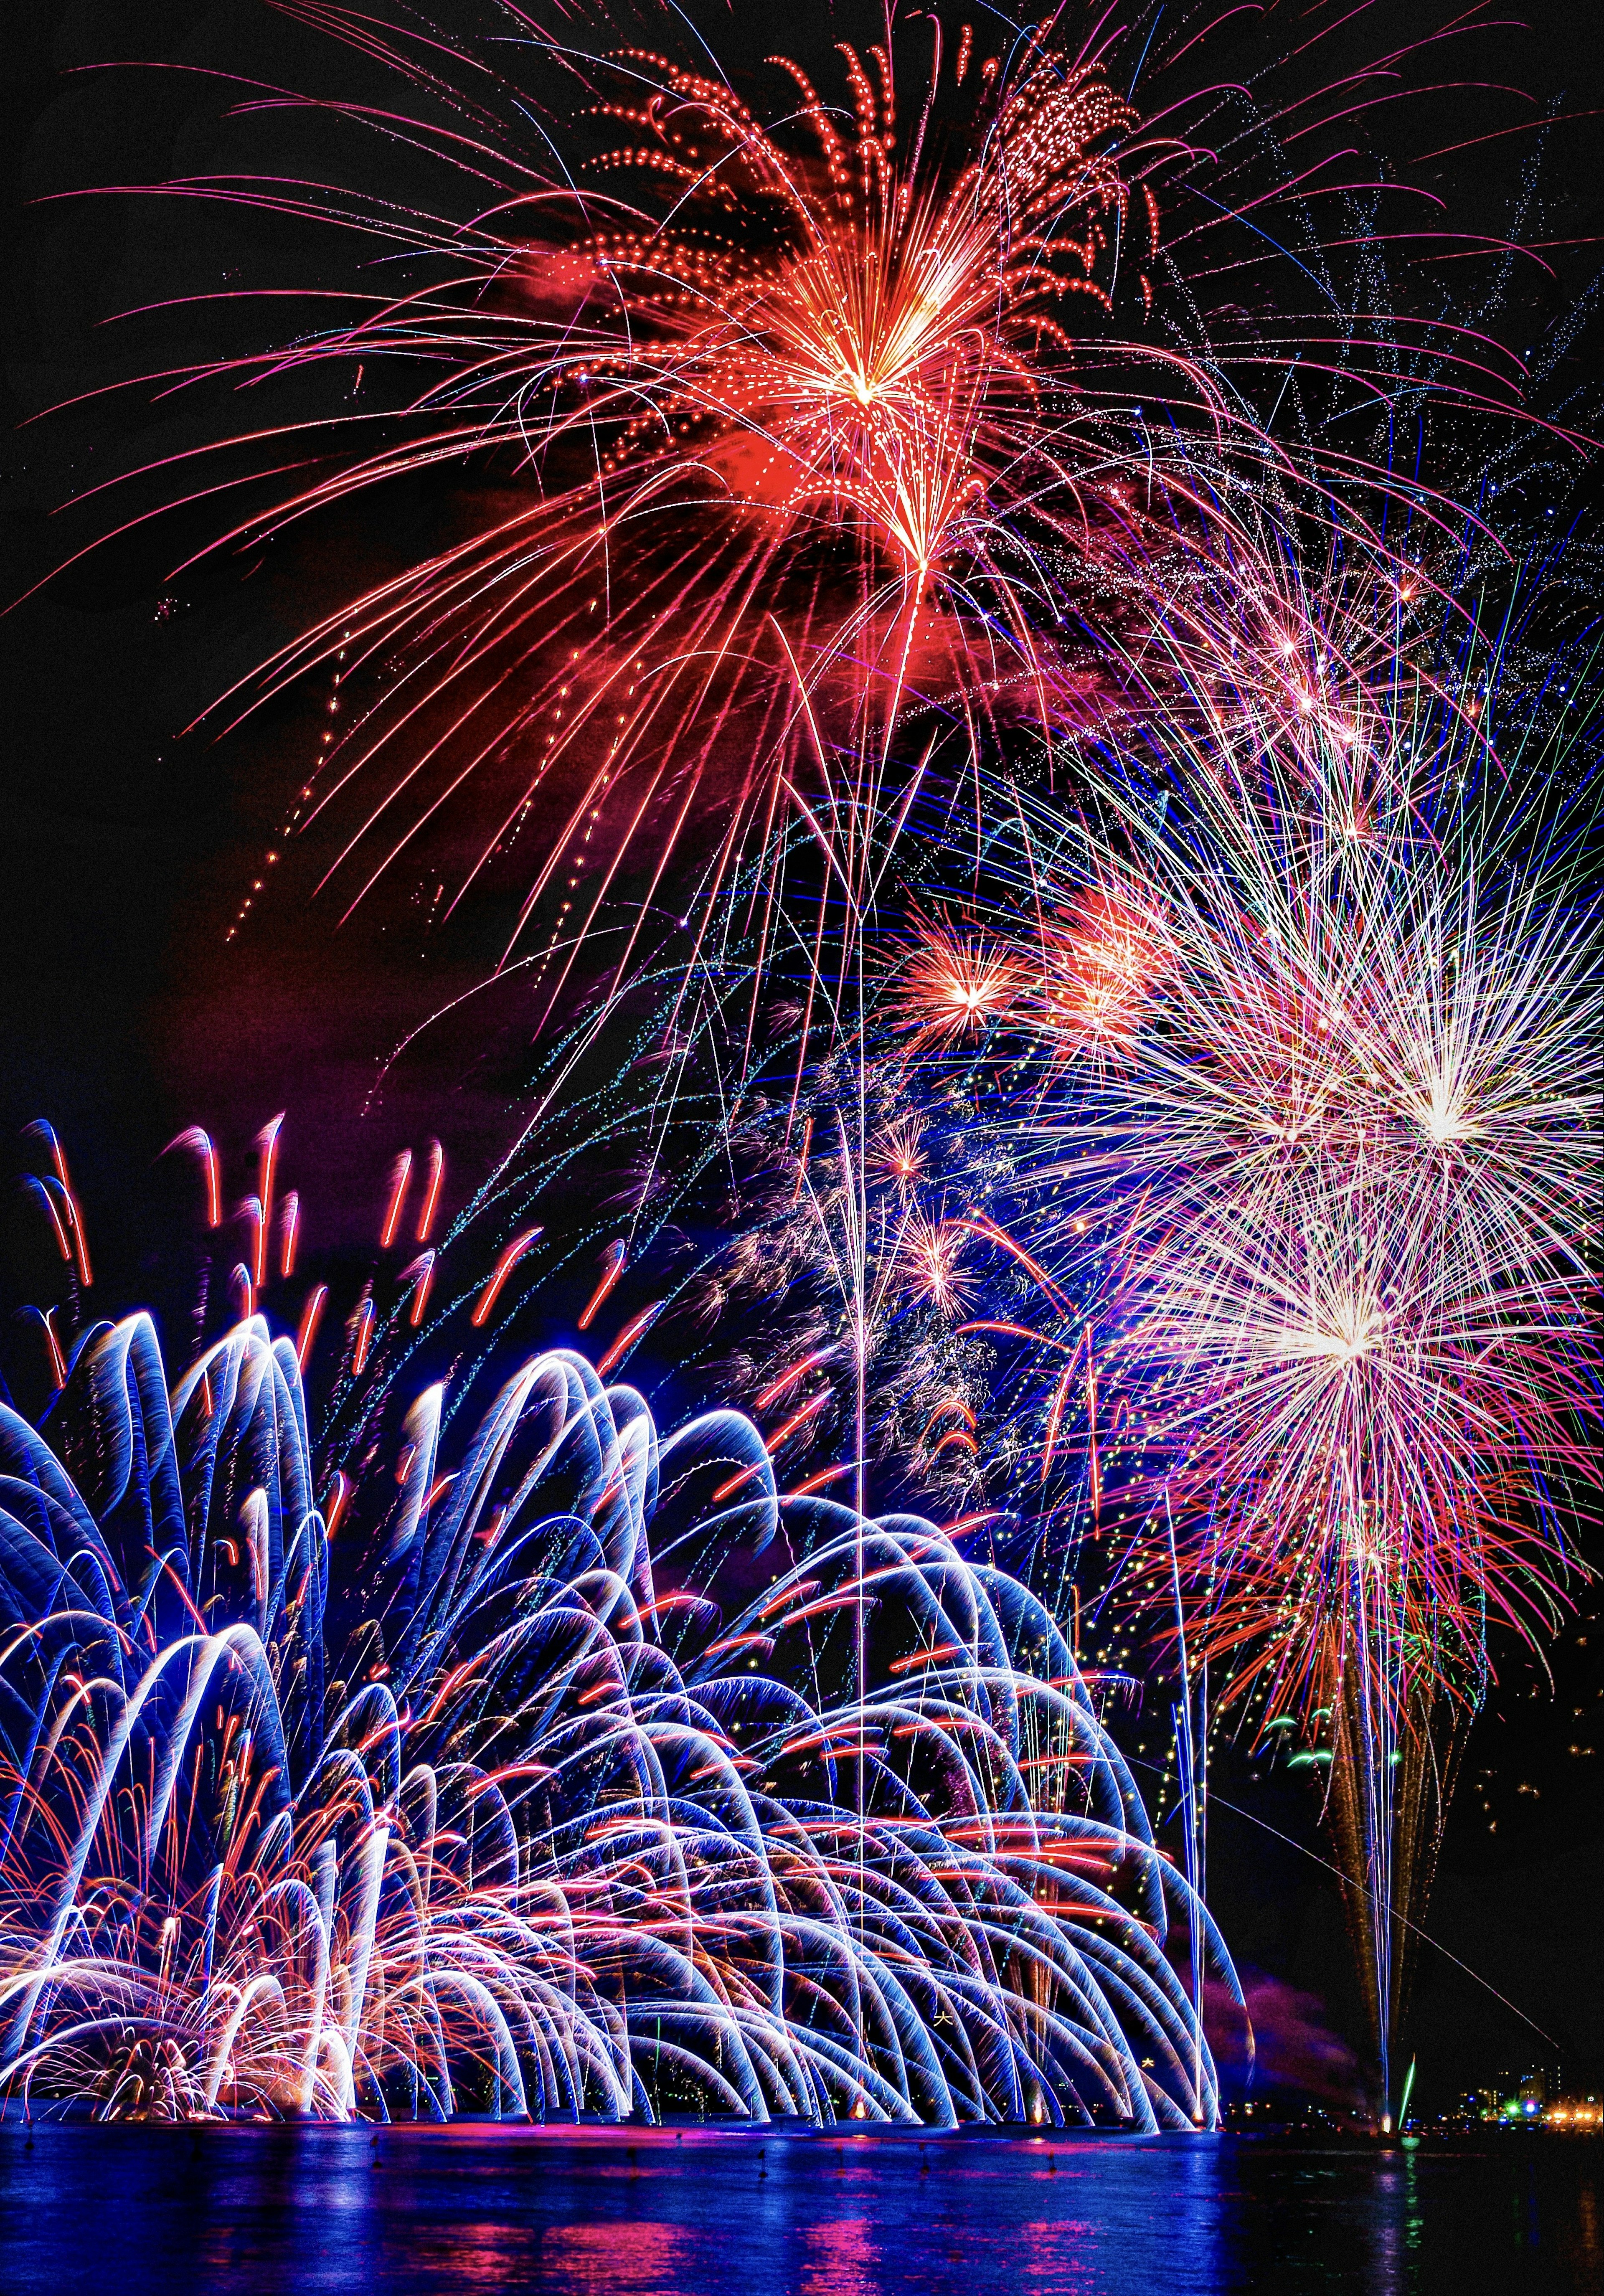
[{"x": 129, "y": 848}]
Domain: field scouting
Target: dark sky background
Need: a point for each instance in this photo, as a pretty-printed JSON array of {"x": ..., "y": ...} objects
[{"x": 125, "y": 1013}]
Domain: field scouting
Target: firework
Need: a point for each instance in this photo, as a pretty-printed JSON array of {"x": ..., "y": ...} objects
[
  {"x": 773, "y": 419},
  {"x": 793, "y": 427},
  {"x": 1323, "y": 1199},
  {"x": 953, "y": 983},
  {"x": 589, "y": 1772},
  {"x": 809, "y": 432}
]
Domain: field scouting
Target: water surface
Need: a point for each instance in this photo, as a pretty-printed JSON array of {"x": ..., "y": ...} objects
[{"x": 130, "y": 2211}]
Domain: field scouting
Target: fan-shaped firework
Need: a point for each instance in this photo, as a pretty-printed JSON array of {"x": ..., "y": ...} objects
[{"x": 638, "y": 1786}]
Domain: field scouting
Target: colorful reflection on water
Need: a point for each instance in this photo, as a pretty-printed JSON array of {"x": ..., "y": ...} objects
[{"x": 593, "y": 2212}]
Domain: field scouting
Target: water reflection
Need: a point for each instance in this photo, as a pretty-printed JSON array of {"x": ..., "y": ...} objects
[
  {"x": 839, "y": 2258},
  {"x": 141, "y": 2212},
  {"x": 632, "y": 2259}
]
